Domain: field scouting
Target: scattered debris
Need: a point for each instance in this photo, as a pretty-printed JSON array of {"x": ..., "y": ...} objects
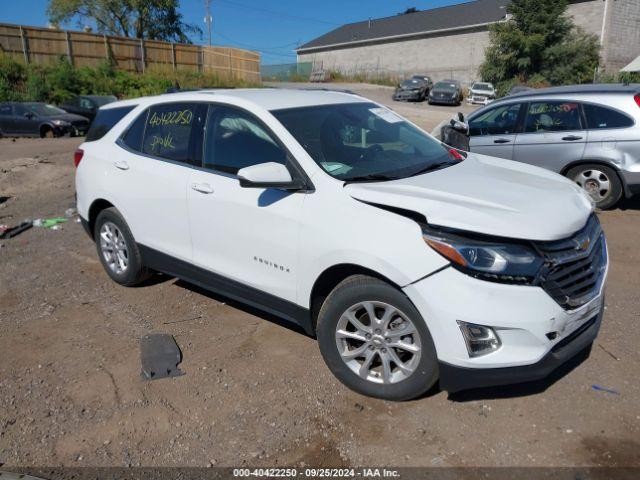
[
  {"x": 4, "y": 199},
  {"x": 160, "y": 356},
  {"x": 10, "y": 232},
  {"x": 599, "y": 388},
  {"x": 198, "y": 317},
  {"x": 608, "y": 352},
  {"x": 70, "y": 212},
  {"x": 49, "y": 222}
]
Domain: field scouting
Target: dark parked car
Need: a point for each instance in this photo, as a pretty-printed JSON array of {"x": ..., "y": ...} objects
[
  {"x": 446, "y": 92},
  {"x": 32, "y": 119},
  {"x": 87, "y": 105},
  {"x": 414, "y": 89},
  {"x": 426, "y": 78}
]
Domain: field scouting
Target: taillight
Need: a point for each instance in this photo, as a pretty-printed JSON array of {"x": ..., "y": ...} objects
[
  {"x": 77, "y": 157},
  {"x": 637, "y": 99}
]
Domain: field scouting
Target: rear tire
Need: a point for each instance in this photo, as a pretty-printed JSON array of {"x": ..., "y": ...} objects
[
  {"x": 117, "y": 249},
  {"x": 600, "y": 182},
  {"x": 392, "y": 357}
]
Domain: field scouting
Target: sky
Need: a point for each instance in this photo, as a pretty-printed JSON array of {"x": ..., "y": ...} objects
[{"x": 274, "y": 28}]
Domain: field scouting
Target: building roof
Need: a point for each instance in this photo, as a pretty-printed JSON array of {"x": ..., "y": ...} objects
[{"x": 464, "y": 15}]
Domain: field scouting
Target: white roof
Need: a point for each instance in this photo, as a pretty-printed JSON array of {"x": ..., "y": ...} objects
[
  {"x": 267, "y": 98},
  {"x": 634, "y": 66}
]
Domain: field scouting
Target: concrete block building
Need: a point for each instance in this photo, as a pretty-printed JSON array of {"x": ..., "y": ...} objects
[{"x": 449, "y": 42}]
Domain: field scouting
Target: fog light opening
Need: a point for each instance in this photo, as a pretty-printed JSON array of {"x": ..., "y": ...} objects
[{"x": 479, "y": 339}]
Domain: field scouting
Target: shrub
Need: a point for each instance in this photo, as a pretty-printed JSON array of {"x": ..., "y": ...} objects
[{"x": 59, "y": 81}]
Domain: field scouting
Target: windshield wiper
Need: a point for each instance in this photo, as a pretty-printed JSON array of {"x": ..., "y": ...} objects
[
  {"x": 431, "y": 168},
  {"x": 372, "y": 177}
]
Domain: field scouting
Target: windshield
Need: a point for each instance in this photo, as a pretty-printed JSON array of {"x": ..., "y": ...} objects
[
  {"x": 444, "y": 86},
  {"x": 414, "y": 82},
  {"x": 481, "y": 86},
  {"x": 43, "y": 109},
  {"x": 100, "y": 101},
  {"x": 362, "y": 141}
]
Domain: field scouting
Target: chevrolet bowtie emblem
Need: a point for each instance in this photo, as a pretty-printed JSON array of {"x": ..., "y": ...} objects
[{"x": 583, "y": 245}]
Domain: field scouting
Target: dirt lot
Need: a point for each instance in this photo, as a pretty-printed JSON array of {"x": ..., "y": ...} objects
[{"x": 256, "y": 392}]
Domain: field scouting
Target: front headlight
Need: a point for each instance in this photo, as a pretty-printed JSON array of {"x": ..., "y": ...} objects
[
  {"x": 489, "y": 260},
  {"x": 60, "y": 123}
]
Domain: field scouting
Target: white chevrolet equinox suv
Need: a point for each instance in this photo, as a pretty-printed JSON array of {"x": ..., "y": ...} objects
[{"x": 411, "y": 262}]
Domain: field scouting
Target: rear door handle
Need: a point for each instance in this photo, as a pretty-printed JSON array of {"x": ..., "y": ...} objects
[
  {"x": 121, "y": 164},
  {"x": 202, "y": 187},
  {"x": 501, "y": 140},
  {"x": 571, "y": 138}
]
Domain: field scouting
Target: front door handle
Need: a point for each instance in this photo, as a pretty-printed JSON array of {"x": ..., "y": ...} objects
[
  {"x": 571, "y": 138},
  {"x": 202, "y": 187},
  {"x": 121, "y": 164},
  {"x": 501, "y": 140}
]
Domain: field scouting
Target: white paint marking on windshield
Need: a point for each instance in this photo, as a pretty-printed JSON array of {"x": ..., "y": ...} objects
[{"x": 386, "y": 114}]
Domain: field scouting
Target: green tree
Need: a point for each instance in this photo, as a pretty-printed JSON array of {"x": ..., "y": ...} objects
[
  {"x": 539, "y": 44},
  {"x": 151, "y": 19}
]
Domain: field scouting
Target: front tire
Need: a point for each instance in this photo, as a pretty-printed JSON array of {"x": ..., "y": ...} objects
[
  {"x": 117, "y": 249},
  {"x": 601, "y": 183},
  {"x": 375, "y": 341}
]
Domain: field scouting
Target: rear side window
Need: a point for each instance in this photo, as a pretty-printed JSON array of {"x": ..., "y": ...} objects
[
  {"x": 105, "y": 121},
  {"x": 5, "y": 109},
  {"x": 603, "y": 117},
  {"x": 167, "y": 133}
]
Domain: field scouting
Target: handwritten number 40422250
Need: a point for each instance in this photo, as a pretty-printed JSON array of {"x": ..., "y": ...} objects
[{"x": 176, "y": 117}]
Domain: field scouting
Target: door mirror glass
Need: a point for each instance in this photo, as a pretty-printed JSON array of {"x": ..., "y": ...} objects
[{"x": 267, "y": 175}]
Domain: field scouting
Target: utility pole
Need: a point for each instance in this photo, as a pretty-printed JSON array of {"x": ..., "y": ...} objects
[{"x": 208, "y": 19}]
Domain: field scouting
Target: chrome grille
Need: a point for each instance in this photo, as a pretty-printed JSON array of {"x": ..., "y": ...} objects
[{"x": 575, "y": 267}]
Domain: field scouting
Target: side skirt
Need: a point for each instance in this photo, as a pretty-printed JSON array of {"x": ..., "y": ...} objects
[{"x": 229, "y": 288}]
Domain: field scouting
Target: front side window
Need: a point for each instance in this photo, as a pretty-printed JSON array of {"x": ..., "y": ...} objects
[
  {"x": 86, "y": 104},
  {"x": 602, "y": 117},
  {"x": 44, "y": 109},
  {"x": 497, "y": 121},
  {"x": 552, "y": 117},
  {"x": 168, "y": 130},
  {"x": 236, "y": 140},
  {"x": 362, "y": 141},
  {"x": 5, "y": 109}
]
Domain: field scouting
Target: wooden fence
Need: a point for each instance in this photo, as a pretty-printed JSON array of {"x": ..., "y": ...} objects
[{"x": 44, "y": 45}]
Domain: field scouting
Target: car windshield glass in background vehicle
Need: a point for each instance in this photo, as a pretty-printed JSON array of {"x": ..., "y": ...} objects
[
  {"x": 43, "y": 109},
  {"x": 414, "y": 82},
  {"x": 362, "y": 141},
  {"x": 552, "y": 117},
  {"x": 105, "y": 120},
  {"x": 497, "y": 121},
  {"x": 481, "y": 86},
  {"x": 444, "y": 86},
  {"x": 103, "y": 100}
]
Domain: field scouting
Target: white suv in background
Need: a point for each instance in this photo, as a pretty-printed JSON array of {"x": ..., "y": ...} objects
[{"x": 410, "y": 261}]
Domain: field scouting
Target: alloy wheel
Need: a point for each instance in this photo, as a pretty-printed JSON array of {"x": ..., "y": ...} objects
[
  {"x": 595, "y": 182},
  {"x": 378, "y": 342},
  {"x": 114, "y": 248}
]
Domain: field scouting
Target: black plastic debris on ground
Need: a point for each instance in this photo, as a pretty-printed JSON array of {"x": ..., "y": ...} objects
[
  {"x": 4, "y": 199},
  {"x": 160, "y": 356},
  {"x": 17, "y": 230}
]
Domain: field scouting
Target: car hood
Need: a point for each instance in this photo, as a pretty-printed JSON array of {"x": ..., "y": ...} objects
[
  {"x": 67, "y": 117},
  {"x": 487, "y": 195}
]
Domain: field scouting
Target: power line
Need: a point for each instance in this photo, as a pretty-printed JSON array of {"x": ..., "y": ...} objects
[{"x": 279, "y": 14}]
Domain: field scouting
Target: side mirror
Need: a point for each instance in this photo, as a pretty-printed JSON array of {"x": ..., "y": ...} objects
[
  {"x": 29, "y": 115},
  {"x": 268, "y": 175},
  {"x": 459, "y": 126},
  {"x": 461, "y": 116}
]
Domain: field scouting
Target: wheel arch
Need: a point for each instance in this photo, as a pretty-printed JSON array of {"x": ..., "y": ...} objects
[
  {"x": 330, "y": 278},
  {"x": 44, "y": 128},
  {"x": 96, "y": 207}
]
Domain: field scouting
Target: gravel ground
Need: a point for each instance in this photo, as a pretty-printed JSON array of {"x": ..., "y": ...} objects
[{"x": 255, "y": 391}]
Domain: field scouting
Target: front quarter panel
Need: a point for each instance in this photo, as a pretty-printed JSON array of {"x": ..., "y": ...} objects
[{"x": 336, "y": 229}]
